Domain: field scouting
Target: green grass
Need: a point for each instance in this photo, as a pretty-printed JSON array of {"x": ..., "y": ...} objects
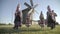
[{"x": 33, "y": 29}]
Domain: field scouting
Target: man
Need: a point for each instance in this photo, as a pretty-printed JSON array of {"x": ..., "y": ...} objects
[
  {"x": 54, "y": 15},
  {"x": 53, "y": 18}
]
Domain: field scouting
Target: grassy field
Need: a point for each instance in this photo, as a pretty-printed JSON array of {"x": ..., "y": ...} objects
[{"x": 33, "y": 29}]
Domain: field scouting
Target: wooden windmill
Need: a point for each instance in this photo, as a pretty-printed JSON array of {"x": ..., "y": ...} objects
[{"x": 30, "y": 10}]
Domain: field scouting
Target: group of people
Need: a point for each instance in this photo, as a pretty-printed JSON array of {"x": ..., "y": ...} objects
[{"x": 50, "y": 19}]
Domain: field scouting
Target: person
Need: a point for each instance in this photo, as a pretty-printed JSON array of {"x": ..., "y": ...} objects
[
  {"x": 42, "y": 22},
  {"x": 17, "y": 20},
  {"x": 54, "y": 15},
  {"x": 50, "y": 17},
  {"x": 53, "y": 18}
]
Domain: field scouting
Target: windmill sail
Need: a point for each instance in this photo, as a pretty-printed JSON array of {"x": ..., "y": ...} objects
[
  {"x": 31, "y": 2},
  {"x": 27, "y": 5}
]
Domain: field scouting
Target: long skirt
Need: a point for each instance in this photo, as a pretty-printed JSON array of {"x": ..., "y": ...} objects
[
  {"x": 41, "y": 24},
  {"x": 17, "y": 23}
]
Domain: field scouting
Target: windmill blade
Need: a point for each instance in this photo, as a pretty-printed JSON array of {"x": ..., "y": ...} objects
[
  {"x": 33, "y": 10},
  {"x": 36, "y": 12},
  {"x": 27, "y": 9},
  {"x": 31, "y": 2},
  {"x": 35, "y": 6},
  {"x": 27, "y": 5},
  {"x": 30, "y": 11},
  {"x": 31, "y": 14}
]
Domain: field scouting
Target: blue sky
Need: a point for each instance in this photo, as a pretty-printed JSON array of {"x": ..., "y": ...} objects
[{"x": 8, "y": 7}]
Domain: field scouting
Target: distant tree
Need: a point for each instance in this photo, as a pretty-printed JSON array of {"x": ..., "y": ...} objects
[
  {"x": 9, "y": 24},
  {"x": 57, "y": 23},
  {"x": 2, "y": 24}
]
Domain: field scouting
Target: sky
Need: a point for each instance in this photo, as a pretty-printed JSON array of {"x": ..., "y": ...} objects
[{"x": 8, "y": 8}]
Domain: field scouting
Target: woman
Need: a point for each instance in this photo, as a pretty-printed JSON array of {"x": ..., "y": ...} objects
[
  {"x": 42, "y": 22},
  {"x": 17, "y": 20}
]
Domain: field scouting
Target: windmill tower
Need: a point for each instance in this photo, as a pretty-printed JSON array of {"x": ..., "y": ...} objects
[{"x": 30, "y": 9}]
